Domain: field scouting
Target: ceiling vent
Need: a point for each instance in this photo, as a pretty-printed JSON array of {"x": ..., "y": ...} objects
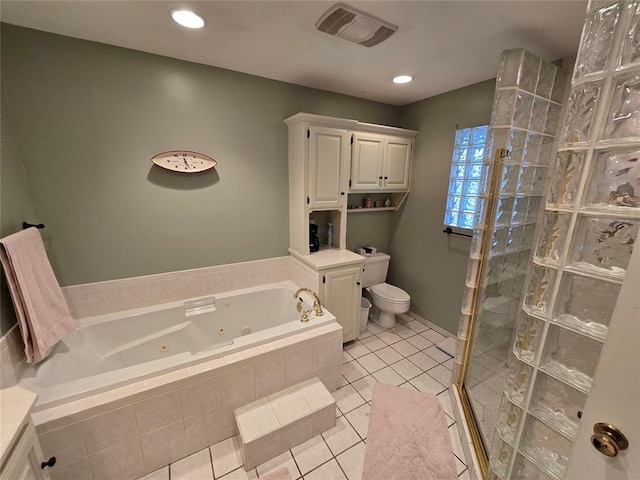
[{"x": 355, "y": 25}]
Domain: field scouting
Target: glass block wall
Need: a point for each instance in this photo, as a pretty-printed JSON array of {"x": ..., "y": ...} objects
[
  {"x": 527, "y": 105},
  {"x": 583, "y": 244}
]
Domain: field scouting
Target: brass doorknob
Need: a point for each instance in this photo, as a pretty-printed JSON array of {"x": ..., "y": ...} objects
[{"x": 608, "y": 440}]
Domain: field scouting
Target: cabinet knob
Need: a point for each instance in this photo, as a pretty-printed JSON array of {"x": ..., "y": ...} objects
[
  {"x": 386, "y": 178},
  {"x": 379, "y": 178},
  {"x": 341, "y": 193},
  {"x": 49, "y": 463},
  {"x": 358, "y": 283}
]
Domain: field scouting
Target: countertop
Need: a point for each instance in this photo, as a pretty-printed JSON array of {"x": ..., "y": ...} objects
[
  {"x": 15, "y": 407},
  {"x": 329, "y": 258}
]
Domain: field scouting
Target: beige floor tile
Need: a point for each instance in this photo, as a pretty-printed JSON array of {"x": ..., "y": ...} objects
[
  {"x": 371, "y": 363},
  {"x": 419, "y": 342},
  {"x": 341, "y": 437},
  {"x": 422, "y": 360},
  {"x": 311, "y": 454},
  {"x": 283, "y": 460},
  {"x": 407, "y": 369},
  {"x": 426, "y": 383},
  {"x": 193, "y": 467},
  {"x": 352, "y": 461},
  {"x": 404, "y": 348},
  {"x": 161, "y": 474},
  {"x": 388, "y": 355},
  {"x": 437, "y": 354},
  {"x": 373, "y": 343},
  {"x": 347, "y": 398},
  {"x": 226, "y": 456},
  {"x": 356, "y": 349},
  {"x": 240, "y": 474},
  {"x": 359, "y": 419},
  {"x": 353, "y": 371},
  {"x": 388, "y": 376},
  {"x": 364, "y": 386},
  {"x": 328, "y": 471}
]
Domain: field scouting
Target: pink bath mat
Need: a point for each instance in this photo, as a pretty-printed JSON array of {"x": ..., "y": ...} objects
[{"x": 408, "y": 437}]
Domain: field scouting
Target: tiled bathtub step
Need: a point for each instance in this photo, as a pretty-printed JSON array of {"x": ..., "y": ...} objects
[{"x": 281, "y": 421}]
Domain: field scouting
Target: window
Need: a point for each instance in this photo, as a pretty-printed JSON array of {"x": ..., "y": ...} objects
[{"x": 464, "y": 183}]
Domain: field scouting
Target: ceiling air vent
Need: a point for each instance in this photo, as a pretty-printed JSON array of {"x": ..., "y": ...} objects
[{"x": 355, "y": 25}]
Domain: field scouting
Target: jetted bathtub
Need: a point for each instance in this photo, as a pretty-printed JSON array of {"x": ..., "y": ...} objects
[{"x": 111, "y": 350}]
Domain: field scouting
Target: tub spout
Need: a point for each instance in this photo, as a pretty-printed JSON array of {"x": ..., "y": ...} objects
[{"x": 316, "y": 300}]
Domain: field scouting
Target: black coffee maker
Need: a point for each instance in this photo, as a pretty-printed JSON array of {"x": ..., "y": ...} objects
[{"x": 314, "y": 243}]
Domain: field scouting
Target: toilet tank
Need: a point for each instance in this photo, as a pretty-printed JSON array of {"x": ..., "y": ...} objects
[{"x": 375, "y": 269}]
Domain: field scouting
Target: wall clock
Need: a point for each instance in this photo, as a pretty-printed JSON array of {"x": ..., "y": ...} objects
[{"x": 184, "y": 161}]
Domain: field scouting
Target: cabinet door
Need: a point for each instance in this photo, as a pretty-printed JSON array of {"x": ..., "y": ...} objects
[
  {"x": 396, "y": 165},
  {"x": 341, "y": 296},
  {"x": 328, "y": 159},
  {"x": 366, "y": 162},
  {"x": 24, "y": 461}
]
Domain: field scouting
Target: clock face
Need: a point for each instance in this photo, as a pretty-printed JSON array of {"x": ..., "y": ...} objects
[{"x": 184, "y": 161}]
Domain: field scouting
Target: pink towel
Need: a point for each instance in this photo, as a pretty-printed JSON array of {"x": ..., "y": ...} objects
[{"x": 43, "y": 314}]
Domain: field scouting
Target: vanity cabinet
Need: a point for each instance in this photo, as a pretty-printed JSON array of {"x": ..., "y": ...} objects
[
  {"x": 380, "y": 163},
  {"x": 20, "y": 450},
  {"x": 340, "y": 292}
]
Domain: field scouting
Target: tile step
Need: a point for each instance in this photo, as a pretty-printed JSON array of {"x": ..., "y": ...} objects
[{"x": 279, "y": 422}]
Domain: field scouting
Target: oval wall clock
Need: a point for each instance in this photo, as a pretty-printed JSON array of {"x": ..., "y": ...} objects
[{"x": 184, "y": 161}]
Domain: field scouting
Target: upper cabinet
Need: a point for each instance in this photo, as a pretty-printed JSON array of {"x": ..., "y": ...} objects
[
  {"x": 332, "y": 157},
  {"x": 328, "y": 167},
  {"x": 380, "y": 163}
]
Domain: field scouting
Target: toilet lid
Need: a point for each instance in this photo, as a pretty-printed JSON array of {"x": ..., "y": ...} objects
[{"x": 390, "y": 293}]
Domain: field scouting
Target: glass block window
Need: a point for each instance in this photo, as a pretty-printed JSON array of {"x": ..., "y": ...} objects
[{"x": 464, "y": 183}]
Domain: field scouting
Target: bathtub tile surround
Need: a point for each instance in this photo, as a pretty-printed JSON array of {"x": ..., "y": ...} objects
[
  {"x": 12, "y": 358},
  {"x": 162, "y": 419},
  {"x": 98, "y": 298},
  {"x": 337, "y": 454}
]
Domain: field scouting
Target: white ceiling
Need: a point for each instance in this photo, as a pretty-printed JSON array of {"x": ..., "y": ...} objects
[{"x": 443, "y": 44}]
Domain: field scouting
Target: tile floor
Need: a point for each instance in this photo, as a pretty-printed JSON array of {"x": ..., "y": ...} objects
[{"x": 405, "y": 356}]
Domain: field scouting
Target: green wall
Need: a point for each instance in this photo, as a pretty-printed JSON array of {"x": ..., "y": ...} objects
[
  {"x": 16, "y": 205},
  {"x": 84, "y": 119},
  {"x": 427, "y": 263},
  {"x": 88, "y": 117}
]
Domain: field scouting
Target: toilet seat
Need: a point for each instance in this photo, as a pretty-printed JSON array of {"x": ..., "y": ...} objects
[{"x": 390, "y": 293}]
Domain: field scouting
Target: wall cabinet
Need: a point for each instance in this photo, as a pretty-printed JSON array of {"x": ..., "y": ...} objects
[
  {"x": 380, "y": 163},
  {"x": 340, "y": 292},
  {"x": 328, "y": 154}
]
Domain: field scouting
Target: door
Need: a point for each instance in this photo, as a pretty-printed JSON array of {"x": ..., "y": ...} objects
[
  {"x": 397, "y": 161},
  {"x": 341, "y": 296},
  {"x": 366, "y": 162},
  {"x": 615, "y": 395},
  {"x": 328, "y": 159}
]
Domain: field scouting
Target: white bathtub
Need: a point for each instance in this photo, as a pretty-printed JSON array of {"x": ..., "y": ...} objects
[{"x": 111, "y": 350}]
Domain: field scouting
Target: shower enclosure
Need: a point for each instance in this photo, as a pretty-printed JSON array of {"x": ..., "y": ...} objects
[{"x": 555, "y": 227}]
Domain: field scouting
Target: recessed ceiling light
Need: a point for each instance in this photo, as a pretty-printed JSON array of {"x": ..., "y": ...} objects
[
  {"x": 402, "y": 79},
  {"x": 187, "y": 18}
]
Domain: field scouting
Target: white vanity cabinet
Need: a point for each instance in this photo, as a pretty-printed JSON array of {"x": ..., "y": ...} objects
[
  {"x": 336, "y": 275},
  {"x": 380, "y": 163},
  {"x": 340, "y": 292},
  {"x": 21, "y": 453}
]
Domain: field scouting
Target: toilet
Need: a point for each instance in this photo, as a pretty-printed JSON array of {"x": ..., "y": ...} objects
[{"x": 388, "y": 300}]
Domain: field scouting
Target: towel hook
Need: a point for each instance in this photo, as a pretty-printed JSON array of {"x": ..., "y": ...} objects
[{"x": 26, "y": 225}]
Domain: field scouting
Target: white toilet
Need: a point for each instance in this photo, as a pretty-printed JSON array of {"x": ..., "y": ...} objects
[{"x": 388, "y": 301}]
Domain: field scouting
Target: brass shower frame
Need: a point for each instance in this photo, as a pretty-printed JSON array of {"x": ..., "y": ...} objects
[{"x": 493, "y": 193}]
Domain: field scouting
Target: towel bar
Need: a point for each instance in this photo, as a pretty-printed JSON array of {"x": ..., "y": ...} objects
[
  {"x": 449, "y": 231},
  {"x": 27, "y": 225}
]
